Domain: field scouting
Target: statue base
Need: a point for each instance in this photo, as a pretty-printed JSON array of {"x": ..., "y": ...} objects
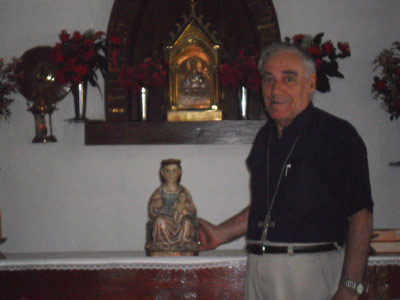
[{"x": 172, "y": 253}]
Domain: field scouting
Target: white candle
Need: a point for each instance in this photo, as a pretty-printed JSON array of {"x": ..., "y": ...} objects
[
  {"x": 0, "y": 224},
  {"x": 144, "y": 92}
]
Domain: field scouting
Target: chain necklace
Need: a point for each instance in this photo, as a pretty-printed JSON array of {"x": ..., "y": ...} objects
[{"x": 267, "y": 222}]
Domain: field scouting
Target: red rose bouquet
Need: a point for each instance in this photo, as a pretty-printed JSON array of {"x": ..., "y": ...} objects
[
  {"x": 150, "y": 73},
  {"x": 242, "y": 71},
  {"x": 325, "y": 56},
  {"x": 79, "y": 56},
  {"x": 7, "y": 87},
  {"x": 386, "y": 87}
]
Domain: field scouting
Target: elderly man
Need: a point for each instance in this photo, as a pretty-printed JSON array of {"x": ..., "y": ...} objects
[{"x": 310, "y": 218}]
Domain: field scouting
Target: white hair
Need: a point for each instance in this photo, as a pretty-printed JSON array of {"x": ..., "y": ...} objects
[{"x": 276, "y": 48}]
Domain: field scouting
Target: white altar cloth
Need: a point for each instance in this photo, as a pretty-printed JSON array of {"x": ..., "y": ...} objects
[
  {"x": 138, "y": 260},
  {"x": 119, "y": 260}
]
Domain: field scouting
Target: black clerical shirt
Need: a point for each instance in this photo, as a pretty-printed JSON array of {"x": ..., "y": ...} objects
[{"x": 324, "y": 181}]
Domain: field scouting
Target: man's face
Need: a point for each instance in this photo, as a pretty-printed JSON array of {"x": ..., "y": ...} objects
[{"x": 286, "y": 89}]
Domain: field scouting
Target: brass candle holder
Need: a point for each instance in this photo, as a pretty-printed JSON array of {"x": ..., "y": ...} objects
[{"x": 43, "y": 125}]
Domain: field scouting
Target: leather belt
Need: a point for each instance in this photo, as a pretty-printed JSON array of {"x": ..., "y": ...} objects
[{"x": 262, "y": 249}]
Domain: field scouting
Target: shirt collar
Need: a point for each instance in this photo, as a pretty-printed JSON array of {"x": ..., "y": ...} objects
[{"x": 300, "y": 123}]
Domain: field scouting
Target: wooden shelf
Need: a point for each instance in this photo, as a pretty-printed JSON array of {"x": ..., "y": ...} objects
[{"x": 131, "y": 133}]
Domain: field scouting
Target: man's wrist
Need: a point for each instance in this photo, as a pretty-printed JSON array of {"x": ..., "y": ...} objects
[{"x": 356, "y": 287}]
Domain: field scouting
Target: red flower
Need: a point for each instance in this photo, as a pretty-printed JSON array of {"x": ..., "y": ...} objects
[
  {"x": 99, "y": 34},
  {"x": 254, "y": 81},
  {"x": 88, "y": 43},
  {"x": 327, "y": 47},
  {"x": 318, "y": 63},
  {"x": 315, "y": 51},
  {"x": 344, "y": 47},
  {"x": 397, "y": 104},
  {"x": 75, "y": 47},
  {"x": 386, "y": 86},
  {"x": 78, "y": 57},
  {"x": 127, "y": 79},
  {"x": 78, "y": 72},
  {"x": 81, "y": 70},
  {"x": 8, "y": 77},
  {"x": 71, "y": 61},
  {"x": 324, "y": 55},
  {"x": 230, "y": 76},
  {"x": 241, "y": 72},
  {"x": 245, "y": 63},
  {"x": 59, "y": 75},
  {"x": 298, "y": 38},
  {"x": 64, "y": 36},
  {"x": 116, "y": 41},
  {"x": 89, "y": 55},
  {"x": 76, "y": 36},
  {"x": 149, "y": 73},
  {"x": 380, "y": 85},
  {"x": 158, "y": 78},
  {"x": 58, "y": 57}
]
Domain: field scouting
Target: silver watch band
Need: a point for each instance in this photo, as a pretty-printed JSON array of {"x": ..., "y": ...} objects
[{"x": 355, "y": 286}]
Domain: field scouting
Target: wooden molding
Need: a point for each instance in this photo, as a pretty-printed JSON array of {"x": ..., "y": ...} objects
[{"x": 131, "y": 133}]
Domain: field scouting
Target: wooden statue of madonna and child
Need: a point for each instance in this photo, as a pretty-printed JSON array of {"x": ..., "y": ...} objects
[{"x": 172, "y": 226}]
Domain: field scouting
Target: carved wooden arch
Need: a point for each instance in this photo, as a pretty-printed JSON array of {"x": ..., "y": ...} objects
[{"x": 143, "y": 25}]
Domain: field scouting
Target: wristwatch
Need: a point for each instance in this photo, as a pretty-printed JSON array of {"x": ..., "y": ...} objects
[{"x": 355, "y": 286}]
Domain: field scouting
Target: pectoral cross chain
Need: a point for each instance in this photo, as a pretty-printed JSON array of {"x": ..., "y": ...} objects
[{"x": 266, "y": 225}]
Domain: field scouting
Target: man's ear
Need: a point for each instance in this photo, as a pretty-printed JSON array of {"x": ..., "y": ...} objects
[{"x": 313, "y": 82}]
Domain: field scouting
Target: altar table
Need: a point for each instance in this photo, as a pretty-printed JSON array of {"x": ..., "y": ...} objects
[{"x": 217, "y": 274}]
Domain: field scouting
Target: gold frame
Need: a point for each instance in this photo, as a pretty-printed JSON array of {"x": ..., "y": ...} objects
[{"x": 193, "y": 44}]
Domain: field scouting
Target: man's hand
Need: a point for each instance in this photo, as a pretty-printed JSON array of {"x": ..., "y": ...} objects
[
  {"x": 207, "y": 236},
  {"x": 211, "y": 236}
]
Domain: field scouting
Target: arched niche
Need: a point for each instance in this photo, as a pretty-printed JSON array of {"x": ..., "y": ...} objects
[{"x": 145, "y": 26}]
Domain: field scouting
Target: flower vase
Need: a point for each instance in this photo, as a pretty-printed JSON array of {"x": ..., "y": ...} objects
[
  {"x": 144, "y": 95},
  {"x": 79, "y": 92},
  {"x": 243, "y": 105}
]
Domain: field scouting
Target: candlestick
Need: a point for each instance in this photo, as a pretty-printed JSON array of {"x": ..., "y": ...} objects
[{"x": 0, "y": 224}]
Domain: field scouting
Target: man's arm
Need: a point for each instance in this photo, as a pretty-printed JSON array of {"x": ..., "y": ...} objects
[
  {"x": 211, "y": 236},
  {"x": 356, "y": 252}
]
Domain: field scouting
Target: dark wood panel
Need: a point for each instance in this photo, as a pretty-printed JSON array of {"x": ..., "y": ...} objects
[
  {"x": 121, "y": 284},
  {"x": 215, "y": 283},
  {"x": 383, "y": 281},
  {"x": 125, "y": 133}
]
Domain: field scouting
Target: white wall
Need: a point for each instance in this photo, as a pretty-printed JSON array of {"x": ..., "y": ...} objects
[{"x": 70, "y": 197}]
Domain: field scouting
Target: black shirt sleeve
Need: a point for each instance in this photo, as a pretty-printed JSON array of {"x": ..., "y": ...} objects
[{"x": 348, "y": 166}]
